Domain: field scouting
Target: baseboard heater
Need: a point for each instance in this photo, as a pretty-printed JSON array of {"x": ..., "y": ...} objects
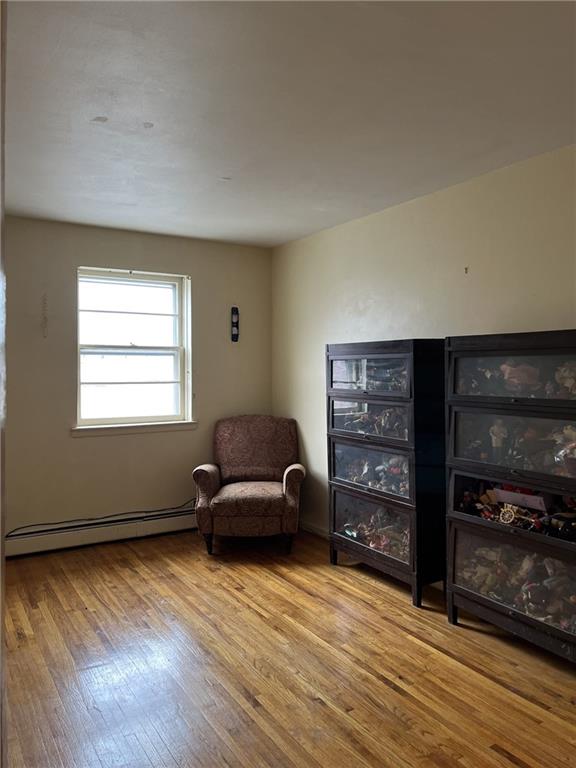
[{"x": 72, "y": 533}]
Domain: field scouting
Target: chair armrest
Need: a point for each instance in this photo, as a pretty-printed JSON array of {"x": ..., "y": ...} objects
[
  {"x": 293, "y": 476},
  {"x": 208, "y": 482}
]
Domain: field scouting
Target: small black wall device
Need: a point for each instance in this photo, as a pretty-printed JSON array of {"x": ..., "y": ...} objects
[{"x": 234, "y": 324}]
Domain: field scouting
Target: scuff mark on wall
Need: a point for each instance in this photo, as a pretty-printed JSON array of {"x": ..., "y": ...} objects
[{"x": 44, "y": 316}]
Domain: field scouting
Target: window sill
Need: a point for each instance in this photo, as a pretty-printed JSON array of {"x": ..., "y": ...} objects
[{"x": 106, "y": 430}]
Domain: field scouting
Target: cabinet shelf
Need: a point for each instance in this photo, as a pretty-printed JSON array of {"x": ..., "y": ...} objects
[
  {"x": 532, "y": 538},
  {"x": 511, "y": 495},
  {"x": 372, "y": 467},
  {"x": 525, "y": 369},
  {"x": 524, "y": 442},
  {"x": 369, "y": 418},
  {"x": 385, "y": 426},
  {"x": 516, "y": 615},
  {"x": 521, "y": 626}
]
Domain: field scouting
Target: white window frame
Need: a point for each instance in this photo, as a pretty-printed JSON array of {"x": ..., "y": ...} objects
[{"x": 183, "y": 348}]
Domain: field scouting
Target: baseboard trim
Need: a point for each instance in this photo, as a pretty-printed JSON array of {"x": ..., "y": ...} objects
[
  {"x": 310, "y": 528},
  {"x": 97, "y": 533}
]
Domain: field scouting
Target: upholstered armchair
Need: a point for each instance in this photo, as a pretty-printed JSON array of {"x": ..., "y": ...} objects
[{"x": 253, "y": 487}]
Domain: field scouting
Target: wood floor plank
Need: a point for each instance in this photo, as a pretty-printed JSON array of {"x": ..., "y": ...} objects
[{"x": 151, "y": 654}]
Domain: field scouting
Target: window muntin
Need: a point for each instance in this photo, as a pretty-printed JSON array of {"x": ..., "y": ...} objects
[{"x": 133, "y": 347}]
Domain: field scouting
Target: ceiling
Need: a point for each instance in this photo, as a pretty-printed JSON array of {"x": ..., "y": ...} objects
[{"x": 263, "y": 122}]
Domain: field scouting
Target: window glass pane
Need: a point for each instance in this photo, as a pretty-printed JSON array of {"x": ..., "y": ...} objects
[
  {"x": 127, "y": 330},
  {"x": 107, "y": 366},
  {"x": 111, "y": 401},
  {"x": 105, "y": 294}
]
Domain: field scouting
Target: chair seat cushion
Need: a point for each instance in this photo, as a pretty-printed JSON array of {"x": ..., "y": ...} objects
[{"x": 249, "y": 499}]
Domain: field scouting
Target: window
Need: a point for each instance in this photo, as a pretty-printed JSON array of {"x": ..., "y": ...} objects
[{"x": 134, "y": 361}]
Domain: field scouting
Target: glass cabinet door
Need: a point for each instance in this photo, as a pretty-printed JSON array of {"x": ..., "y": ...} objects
[
  {"x": 529, "y": 443},
  {"x": 360, "y": 417},
  {"x": 515, "y": 576},
  {"x": 373, "y": 468},
  {"x": 379, "y": 527},
  {"x": 540, "y": 376},
  {"x": 380, "y": 375},
  {"x": 530, "y": 509}
]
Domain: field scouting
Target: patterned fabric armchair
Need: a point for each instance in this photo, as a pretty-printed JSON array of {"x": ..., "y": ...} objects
[{"x": 253, "y": 488}]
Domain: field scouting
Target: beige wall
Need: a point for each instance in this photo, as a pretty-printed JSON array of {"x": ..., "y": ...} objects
[
  {"x": 397, "y": 274},
  {"x": 53, "y": 476},
  {"x": 402, "y": 273}
]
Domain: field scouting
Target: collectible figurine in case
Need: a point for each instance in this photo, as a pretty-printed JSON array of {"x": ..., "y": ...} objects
[
  {"x": 507, "y": 504},
  {"x": 498, "y": 434}
]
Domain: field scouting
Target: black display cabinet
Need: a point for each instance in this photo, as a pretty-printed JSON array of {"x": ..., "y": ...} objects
[
  {"x": 385, "y": 413},
  {"x": 511, "y": 456}
]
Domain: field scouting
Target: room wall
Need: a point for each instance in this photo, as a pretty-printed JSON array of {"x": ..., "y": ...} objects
[
  {"x": 53, "y": 476},
  {"x": 494, "y": 254}
]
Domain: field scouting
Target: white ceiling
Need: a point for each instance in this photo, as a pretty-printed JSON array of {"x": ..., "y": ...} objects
[{"x": 264, "y": 122}]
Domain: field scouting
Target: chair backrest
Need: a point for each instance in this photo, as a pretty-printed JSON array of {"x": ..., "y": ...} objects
[{"x": 254, "y": 447}]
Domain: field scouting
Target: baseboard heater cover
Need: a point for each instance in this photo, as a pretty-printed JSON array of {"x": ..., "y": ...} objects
[{"x": 78, "y": 532}]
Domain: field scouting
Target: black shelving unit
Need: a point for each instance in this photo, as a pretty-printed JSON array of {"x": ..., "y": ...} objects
[
  {"x": 511, "y": 472},
  {"x": 385, "y": 417}
]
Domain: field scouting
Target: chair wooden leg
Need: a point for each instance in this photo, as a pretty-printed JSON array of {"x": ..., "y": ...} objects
[
  {"x": 209, "y": 539},
  {"x": 288, "y": 539}
]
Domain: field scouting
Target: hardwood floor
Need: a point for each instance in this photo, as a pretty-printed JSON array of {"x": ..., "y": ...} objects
[{"x": 150, "y": 653}]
